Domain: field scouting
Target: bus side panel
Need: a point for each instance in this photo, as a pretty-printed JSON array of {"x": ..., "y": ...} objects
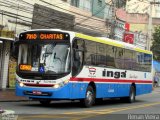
[
  {"x": 112, "y": 90},
  {"x": 123, "y": 90},
  {"x": 78, "y": 90},
  {"x": 100, "y": 90},
  {"x": 143, "y": 89}
]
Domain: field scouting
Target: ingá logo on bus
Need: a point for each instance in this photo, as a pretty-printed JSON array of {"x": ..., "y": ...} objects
[
  {"x": 115, "y": 74},
  {"x": 92, "y": 71}
]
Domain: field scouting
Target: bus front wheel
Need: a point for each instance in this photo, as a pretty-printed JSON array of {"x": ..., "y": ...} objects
[{"x": 89, "y": 99}]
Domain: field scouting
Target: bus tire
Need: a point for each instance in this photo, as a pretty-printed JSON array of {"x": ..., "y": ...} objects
[
  {"x": 45, "y": 102},
  {"x": 89, "y": 99},
  {"x": 132, "y": 95}
]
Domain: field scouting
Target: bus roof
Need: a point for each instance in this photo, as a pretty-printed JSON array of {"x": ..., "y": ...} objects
[
  {"x": 100, "y": 40},
  {"x": 112, "y": 42}
]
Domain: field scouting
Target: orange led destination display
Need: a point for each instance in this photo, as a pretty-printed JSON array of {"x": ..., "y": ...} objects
[
  {"x": 31, "y": 36},
  {"x": 25, "y": 67},
  {"x": 52, "y": 36},
  {"x": 44, "y": 36}
]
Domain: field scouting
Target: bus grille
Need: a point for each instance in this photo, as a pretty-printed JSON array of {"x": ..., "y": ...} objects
[{"x": 38, "y": 85}]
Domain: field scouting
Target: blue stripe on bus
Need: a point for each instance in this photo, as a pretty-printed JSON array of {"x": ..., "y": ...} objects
[{"x": 78, "y": 90}]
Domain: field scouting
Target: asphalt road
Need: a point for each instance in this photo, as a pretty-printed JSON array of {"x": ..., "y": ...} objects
[{"x": 146, "y": 107}]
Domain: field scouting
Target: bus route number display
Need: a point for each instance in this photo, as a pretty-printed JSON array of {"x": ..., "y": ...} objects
[{"x": 44, "y": 36}]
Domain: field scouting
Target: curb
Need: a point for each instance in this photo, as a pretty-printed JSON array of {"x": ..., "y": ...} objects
[
  {"x": 7, "y": 112},
  {"x": 14, "y": 100},
  {"x": 8, "y": 115}
]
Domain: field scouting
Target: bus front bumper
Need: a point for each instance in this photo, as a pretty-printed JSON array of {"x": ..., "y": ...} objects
[{"x": 41, "y": 92}]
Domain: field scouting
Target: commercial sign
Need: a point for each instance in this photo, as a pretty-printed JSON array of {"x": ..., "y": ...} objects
[
  {"x": 123, "y": 25},
  {"x": 128, "y": 37},
  {"x": 7, "y": 34},
  {"x": 127, "y": 26},
  {"x": 121, "y": 28}
]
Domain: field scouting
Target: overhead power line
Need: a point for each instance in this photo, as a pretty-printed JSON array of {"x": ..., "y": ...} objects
[
  {"x": 69, "y": 10},
  {"x": 83, "y": 20},
  {"x": 13, "y": 5},
  {"x": 39, "y": 22},
  {"x": 28, "y": 19},
  {"x": 90, "y": 16}
]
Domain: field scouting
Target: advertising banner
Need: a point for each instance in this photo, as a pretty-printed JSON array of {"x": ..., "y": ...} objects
[{"x": 128, "y": 37}]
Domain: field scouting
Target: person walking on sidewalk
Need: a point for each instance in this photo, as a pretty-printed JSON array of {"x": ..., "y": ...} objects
[{"x": 156, "y": 80}]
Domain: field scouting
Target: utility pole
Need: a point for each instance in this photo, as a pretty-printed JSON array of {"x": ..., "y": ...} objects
[
  {"x": 113, "y": 7},
  {"x": 150, "y": 25},
  {"x": 149, "y": 28}
]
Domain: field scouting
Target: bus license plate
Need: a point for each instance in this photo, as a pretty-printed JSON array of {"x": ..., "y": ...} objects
[{"x": 37, "y": 93}]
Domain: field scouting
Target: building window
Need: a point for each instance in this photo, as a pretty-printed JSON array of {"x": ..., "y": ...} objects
[
  {"x": 100, "y": 3},
  {"x": 86, "y": 4},
  {"x": 75, "y": 3}
]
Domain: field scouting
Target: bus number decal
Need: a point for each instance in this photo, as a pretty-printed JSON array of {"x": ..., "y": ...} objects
[{"x": 31, "y": 36}]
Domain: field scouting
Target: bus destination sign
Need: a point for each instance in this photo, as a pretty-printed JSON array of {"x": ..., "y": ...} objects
[{"x": 44, "y": 36}]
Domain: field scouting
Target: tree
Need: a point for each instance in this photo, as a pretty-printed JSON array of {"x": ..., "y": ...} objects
[{"x": 155, "y": 48}]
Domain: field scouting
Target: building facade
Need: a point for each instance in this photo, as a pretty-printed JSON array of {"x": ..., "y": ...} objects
[
  {"x": 137, "y": 14},
  {"x": 5, "y": 44},
  {"x": 102, "y": 18},
  {"x": 85, "y": 16},
  {"x": 143, "y": 7}
]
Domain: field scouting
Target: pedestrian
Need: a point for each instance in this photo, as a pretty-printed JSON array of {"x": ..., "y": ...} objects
[{"x": 156, "y": 80}]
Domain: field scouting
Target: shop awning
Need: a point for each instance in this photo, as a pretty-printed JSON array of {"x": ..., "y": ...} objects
[{"x": 3, "y": 38}]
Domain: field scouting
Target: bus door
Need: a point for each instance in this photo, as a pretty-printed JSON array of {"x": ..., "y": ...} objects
[{"x": 77, "y": 65}]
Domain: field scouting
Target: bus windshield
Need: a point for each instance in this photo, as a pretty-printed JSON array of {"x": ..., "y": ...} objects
[{"x": 52, "y": 58}]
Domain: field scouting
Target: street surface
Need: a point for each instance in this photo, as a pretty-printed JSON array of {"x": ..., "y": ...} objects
[{"x": 71, "y": 110}]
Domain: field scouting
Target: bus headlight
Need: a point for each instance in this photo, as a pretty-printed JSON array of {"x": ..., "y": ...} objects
[
  {"x": 66, "y": 81},
  {"x": 60, "y": 84},
  {"x": 56, "y": 86},
  {"x": 21, "y": 84}
]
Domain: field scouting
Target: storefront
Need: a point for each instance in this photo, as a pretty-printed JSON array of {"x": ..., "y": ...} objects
[
  {"x": 5, "y": 45},
  {"x": 10, "y": 27}
]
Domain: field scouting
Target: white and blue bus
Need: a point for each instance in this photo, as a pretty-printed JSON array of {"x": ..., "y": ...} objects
[{"x": 63, "y": 65}]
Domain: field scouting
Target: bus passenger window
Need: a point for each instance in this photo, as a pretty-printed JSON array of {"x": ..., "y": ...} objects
[
  {"x": 110, "y": 56},
  {"x": 90, "y": 53},
  {"x": 101, "y": 55},
  {"x": 119, "y": 58}
]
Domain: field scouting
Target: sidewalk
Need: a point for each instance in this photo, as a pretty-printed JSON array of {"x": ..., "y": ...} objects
[
  {"x": 156, "y": 89},
  {"x": 8, "y": 95}
]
